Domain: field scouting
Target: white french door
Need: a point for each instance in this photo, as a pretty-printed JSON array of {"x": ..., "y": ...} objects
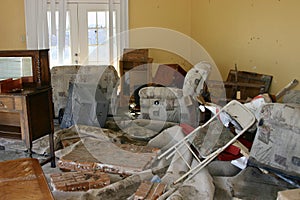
[
  {"x": 98, "y": 43},
  {"x": 90, "y": 38}
]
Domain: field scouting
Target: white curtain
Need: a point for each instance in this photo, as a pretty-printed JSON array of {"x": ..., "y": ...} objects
[
  {"x": 37, "y": 27},
  {"x": 36, "y": 24},
  {"x": 124, "y": 40},
  {"x": 62, "y": 9},
  {"x": 123, "y": 27}
]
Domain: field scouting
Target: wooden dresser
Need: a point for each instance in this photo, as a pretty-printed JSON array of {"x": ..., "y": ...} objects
[{"x": 26, "y": 108}]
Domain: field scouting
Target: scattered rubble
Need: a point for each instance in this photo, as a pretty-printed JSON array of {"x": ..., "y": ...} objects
[
  {"x": 92, "y": 154},
  {"x": 79, "y": 181},
  {"x": 149, "y": 190},
  {"x": 119, "y": 190},
  {"x": 87, "y": 149},
  {"x": 163, "y": 154}
]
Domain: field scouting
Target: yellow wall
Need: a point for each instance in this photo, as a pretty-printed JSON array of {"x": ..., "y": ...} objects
[
  {"x": 172, "y": 14},
  {"x": 261, "y": 36},
  {"x": 12, "y": 20},
  {"x": 169, "y": 14}
]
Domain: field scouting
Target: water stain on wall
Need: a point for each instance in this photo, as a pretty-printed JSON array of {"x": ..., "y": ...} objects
[{"x": 253, "y": 38}]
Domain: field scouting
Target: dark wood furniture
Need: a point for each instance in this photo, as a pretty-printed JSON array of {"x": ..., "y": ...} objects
[
  {"x": 169, "y": 75},
  {"x": 26, "y": 112},
  {"x": 135, "y": 71},
  {"x": 241, "y": 85},
  {"x": 23, "y": 179}
]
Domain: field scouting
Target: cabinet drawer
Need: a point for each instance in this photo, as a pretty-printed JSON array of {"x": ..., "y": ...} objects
[{"x": 6, "y": 103}]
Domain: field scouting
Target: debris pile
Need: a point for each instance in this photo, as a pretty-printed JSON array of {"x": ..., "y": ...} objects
[
  {"x": 79, "y": 181},
  {"x": 160, "y": 156}
]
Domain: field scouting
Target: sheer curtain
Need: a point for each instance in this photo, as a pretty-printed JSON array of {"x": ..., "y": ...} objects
[
  {"x": 37, "y": 27},
  {"x": 124, "y": 38},
  {"x": 36, "y": 24}
]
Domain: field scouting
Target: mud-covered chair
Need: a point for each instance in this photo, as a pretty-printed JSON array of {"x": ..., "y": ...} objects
[{"x": 174, "y": 104}]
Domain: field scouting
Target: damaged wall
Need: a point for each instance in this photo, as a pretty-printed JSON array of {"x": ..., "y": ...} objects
[{"x": 260, "y": 36}]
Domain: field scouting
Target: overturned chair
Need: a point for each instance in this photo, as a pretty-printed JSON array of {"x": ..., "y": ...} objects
[{"x": 234, "y": 115}]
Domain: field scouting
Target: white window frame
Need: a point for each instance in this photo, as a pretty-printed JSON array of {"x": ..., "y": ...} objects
[{"x": 83, "y": 35}]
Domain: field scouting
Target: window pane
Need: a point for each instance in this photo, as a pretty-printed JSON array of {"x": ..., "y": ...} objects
[
  {"x": 92, "y": 19},
  {"x": 92, "y": 35},
  {"x": 101, "y": 19},
  {"x": 102, "y": 36}
]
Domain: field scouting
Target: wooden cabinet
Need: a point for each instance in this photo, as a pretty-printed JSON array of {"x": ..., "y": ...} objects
[{"x": 26, "y": 111}]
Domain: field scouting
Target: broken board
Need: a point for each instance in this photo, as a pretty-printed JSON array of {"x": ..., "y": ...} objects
[{"x": 92, "y": 154}]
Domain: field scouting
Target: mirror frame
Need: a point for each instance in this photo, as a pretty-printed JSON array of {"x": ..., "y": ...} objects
[{"x": 40, "y": 64}]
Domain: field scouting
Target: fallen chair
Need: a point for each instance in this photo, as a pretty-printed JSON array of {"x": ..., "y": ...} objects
[{"x": 235, "y": 113}]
